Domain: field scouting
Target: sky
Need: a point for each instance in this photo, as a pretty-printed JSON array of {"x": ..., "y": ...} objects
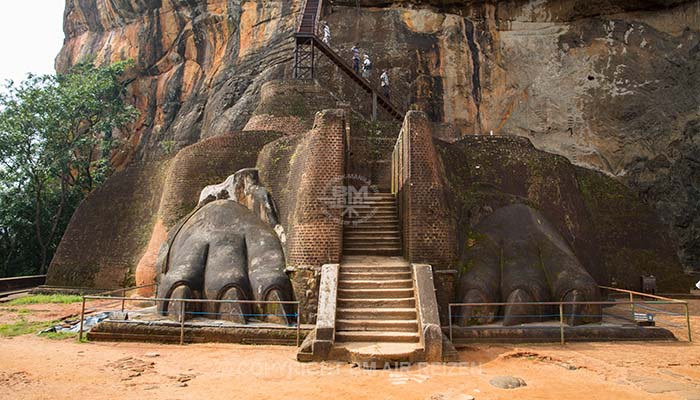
[{"x": 31, "y": 35}]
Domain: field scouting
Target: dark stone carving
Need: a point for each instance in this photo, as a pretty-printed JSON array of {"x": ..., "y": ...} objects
[
  {"x": 516, "y": 256},
  {"x": 225, "y": 251}
]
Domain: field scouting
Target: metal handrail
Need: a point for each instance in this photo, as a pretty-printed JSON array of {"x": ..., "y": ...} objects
[
  {"x": 302, "y": 11},
  {"x": 182, "y": 309},
  {"x": 632, "y": 292},
  {"x": 561, "y": 305}
]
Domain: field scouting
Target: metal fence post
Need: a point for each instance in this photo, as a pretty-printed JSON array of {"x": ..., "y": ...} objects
[
  {"x": 298, "y": 322},
  {"x": 123, "y": 298},
  {"x": 182, "y": 322},
  {"x": 687, "y": 320},
  {"x": 449, "y": 316},
  {"x": 634, "y": 317},
  {"x": 561, "y": 322},
  {"x": 82, "y": 318}
]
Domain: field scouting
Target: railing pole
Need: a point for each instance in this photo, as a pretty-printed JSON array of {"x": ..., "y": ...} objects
[
  {"x": 82, "y": 318},
  {"x": 561, "y": 322},
  {"x": 634, "y": 316},
  {"x": 449, "y": 315},
  {"x": 123, "y": 299},
  {"x": 182, "y": 322},
  {"x": 687, "y": 320},
  {"x": 298, "y": 323},
  {"x": 374, "y": 106}
]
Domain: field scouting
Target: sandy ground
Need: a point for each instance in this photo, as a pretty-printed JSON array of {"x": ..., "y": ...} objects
[{"x": 33, "y": 367}]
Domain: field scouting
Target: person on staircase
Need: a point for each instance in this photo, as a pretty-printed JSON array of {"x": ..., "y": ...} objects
[
  {"x": 384, "y": 82},
  {"x": 356, "y": 58},
  {"x": 366, "y": 67},
  {"x": 326, "y": 34}
]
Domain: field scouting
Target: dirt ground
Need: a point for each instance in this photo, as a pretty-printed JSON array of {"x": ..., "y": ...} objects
[{"x": 34, "y": 367}]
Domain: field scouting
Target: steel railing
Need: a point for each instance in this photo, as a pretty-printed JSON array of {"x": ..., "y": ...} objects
[
  {"x": 634, "y": 305},
  {"x": 182, "y": 312}
]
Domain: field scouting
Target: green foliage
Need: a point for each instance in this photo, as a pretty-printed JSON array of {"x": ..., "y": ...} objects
[
  {"x": 46, "y": 299},
  {"x": 56, "y": 136},
  {"x": 23, "y": 327}
]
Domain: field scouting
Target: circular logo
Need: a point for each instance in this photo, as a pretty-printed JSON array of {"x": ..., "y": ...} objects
[{"x": 347, "y": 199}]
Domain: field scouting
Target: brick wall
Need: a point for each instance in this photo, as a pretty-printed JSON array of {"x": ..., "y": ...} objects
[
  {"x": 316, "y": 237},
  {"x": 428, "y": 226}
]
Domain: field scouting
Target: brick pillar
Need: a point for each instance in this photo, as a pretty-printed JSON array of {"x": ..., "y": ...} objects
[
  {"x": 317, "y": 231},
  {"x": 428, "y": 226}
]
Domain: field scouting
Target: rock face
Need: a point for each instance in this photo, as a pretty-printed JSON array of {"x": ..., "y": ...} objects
[{"x": 612, "y": 85}]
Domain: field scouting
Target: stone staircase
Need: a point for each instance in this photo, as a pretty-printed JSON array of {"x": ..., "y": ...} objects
[
  {"x": 373, "y": 227},
  {"x": 376, "y": 318}
]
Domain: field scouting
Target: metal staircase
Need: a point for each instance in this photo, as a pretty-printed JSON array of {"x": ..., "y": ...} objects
[{"x": 307, "y": 46}]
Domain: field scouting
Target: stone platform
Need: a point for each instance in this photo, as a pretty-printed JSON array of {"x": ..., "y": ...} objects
[
  {"x": 550, "y": 333},
  {"x": 146, "y": 326}
]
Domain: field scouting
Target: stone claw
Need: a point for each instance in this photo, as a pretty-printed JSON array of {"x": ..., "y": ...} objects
[
  {"x": 476, "y": 315},
  {"x": 516, "y": 313}
]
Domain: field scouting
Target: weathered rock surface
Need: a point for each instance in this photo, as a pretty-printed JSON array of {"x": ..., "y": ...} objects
[
  {"x": 611, "y": 85},
  {"x": 507, "y": 382},
  {"x": 612, "y": 232}
]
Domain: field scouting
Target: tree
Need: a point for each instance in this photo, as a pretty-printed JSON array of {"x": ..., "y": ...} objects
[{"x": 56, "y": 135}]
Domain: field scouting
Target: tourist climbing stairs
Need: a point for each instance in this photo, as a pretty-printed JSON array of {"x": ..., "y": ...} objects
[{"x": 304, "y": 56}]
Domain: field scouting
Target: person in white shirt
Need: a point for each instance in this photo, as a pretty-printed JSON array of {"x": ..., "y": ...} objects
[
  {"x": 384, "y": 82},
  {"x": 326, "y": 34},
  {"x": 367, "y": 67}
]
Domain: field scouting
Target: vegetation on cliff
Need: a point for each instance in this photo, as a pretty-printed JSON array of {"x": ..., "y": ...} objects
[{"x": 56, "y": 137}]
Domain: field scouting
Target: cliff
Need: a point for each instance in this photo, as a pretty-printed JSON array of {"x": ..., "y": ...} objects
[{"x": 611, "y": 85}]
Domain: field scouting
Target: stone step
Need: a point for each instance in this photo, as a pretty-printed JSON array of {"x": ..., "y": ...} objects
[
  {"x": 363, "y": 325},
  {"x": 389, "y": 223},
  {"x": 377, "y": 313},
  {"x": 394, "y": 337},
  {"x": 375, "y": 276},
  {"x": 374, "y": 247},
  {"x": 370, "y": 230},
  {"x": 378, "y": 215},
  {"x": 377, "y": 293},
  {"x": 375, "y": 268},
  {"x": 362, "y": 228},
  {"x": 371, "y": 209},
  {"x": 377, "y": 303},
  {"x": 371, "y": 245},
  {"x": 390, "y": 204},
  {"x": 354, "y": 238},
  {"x": 379, "y": 195},
  {"x": 388, "y": 252},
  {"x": 362, "y": 204},
  {"x": 371, "y": 283}
]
